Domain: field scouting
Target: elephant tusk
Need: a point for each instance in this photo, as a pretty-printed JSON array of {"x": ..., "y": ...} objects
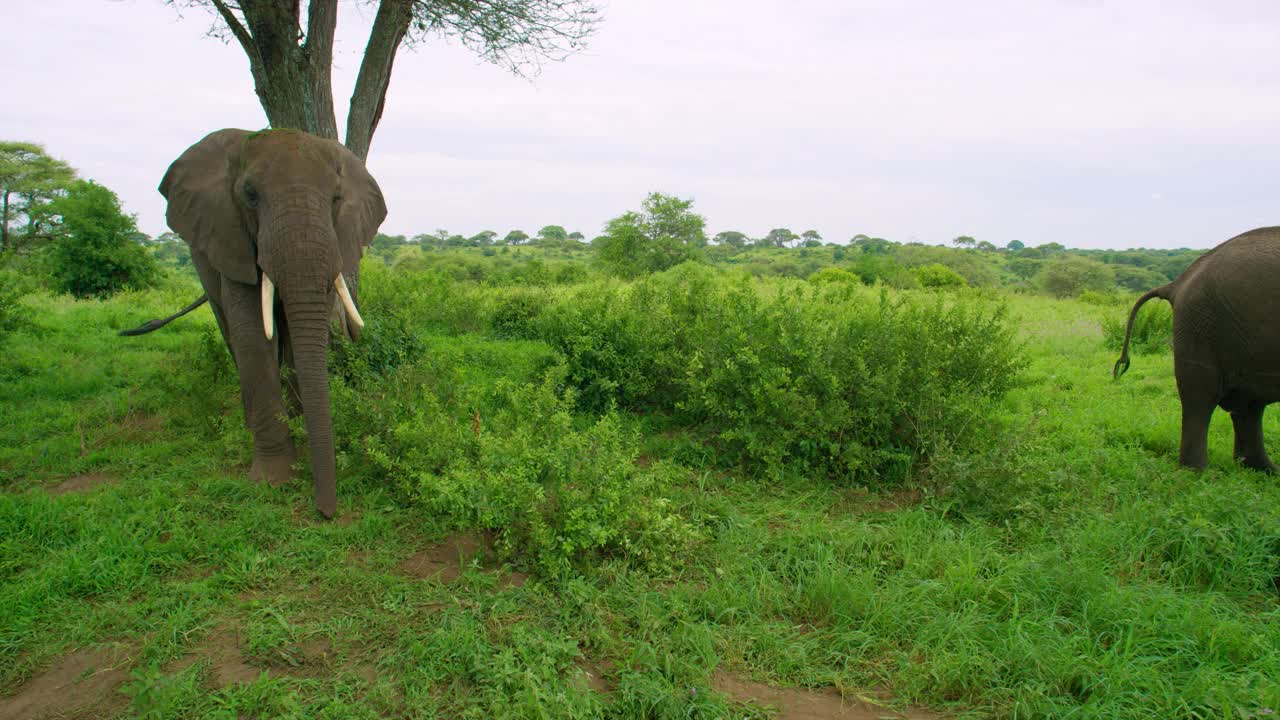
[
  {"x": 268, "y": 306},
  {"x": 353, "y": 315}
]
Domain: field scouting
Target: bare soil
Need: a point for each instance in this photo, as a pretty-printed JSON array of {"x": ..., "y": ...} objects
[
  {"x": 83, "y": 684},
  {"x": 594, "y": 675},
  {"x": 221, "y": 650},
  {"x": 808, "y": 704},
  {"x": 445, "y": 560},
  {"x": 81, "y": 483}
]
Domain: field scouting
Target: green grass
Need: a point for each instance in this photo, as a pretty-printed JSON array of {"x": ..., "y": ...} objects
[{"x": 1067, "y": 569}]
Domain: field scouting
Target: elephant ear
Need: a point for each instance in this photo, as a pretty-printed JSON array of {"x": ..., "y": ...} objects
[
  {"x": 199, "y": 187},
  {"x": 359, "y": 213}
]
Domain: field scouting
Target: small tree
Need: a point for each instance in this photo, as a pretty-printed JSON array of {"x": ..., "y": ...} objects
[
  {"x": 663, "y": 234},
  {"x": 93, "y": 254},
  {"x": 1068, "y": 275},
  {"x": 964, "y": 241},
  {"x": 732, "y": 238},
  {"x": 778, "y": 237},
  {"x": 29, "y": 180},
  {"x": 516, "y": 237},
  {"x": 1015, "y": 245},
  {"x": 553, "y": 232},
  {"x": 483, "y": 238}
]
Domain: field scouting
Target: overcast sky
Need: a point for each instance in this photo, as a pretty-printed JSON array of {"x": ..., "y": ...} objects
[{"x": 1093, "y": 123}]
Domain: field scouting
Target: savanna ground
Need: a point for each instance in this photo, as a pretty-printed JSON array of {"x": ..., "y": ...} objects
[{"x": 1054, "y": 563}]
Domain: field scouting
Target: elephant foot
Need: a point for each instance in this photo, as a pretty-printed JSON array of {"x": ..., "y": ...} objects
[{"x": 274, "y": 471}]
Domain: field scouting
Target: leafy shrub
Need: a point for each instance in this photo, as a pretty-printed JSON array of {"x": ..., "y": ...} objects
[
  {"x": 1152, "y": 328},
  {"x": 511, "y": 459},
  {"x": 427, "y": 300},
  {"x": 386, "y": 343},
  {"x": 1094, "y": 297},
  {"x": 515, "y": 312},
  {"x": 622, "y": 342},
  {"x": 937, "y": 275},
  {"x": 1137, "y": 279},
  {"x": 13, "y": 285},
  {"x": 832, "y": 274},
  {"x": 829, "y": 380},
  {"x": 873, "y": 268}
]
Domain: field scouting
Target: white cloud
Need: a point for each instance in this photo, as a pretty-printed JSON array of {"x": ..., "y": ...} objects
[{"x": 1002, "y": 119}]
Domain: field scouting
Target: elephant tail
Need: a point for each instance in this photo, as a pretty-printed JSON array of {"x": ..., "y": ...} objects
[
  {"x": 158, "y": 323},
  {"x": 1164, "y": 292}
]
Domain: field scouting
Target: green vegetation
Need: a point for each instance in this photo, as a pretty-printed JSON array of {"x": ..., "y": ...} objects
[
  {"x": 805, "y": 483},
  {"x": 663, "y": 234},
  {"x": 95, "y": 254}
]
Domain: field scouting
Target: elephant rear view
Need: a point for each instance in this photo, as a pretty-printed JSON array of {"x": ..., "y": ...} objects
[
  {"x": 277, "y": 221},
  {"x": 1226, "y": 343}
]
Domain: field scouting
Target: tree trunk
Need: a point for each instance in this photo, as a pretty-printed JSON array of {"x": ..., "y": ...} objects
[
  {"x": 322, "y": 19},
  {"x": 389, "y": 27},
  {"x": 294, "y": 82}
]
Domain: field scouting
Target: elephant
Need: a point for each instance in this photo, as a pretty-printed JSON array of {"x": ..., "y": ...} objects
[
  {"x": 277, "y": 221},
  {"x": 1226, "y": 343}
]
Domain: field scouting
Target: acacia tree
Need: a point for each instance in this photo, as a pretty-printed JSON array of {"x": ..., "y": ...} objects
[
  {"x": 29, "y": 180},
  {"x": 291, "y": 54}
]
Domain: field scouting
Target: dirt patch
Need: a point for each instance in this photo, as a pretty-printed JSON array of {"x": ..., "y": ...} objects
[
  {"x": 512, "y": 579},
  {"x": 445, "y": 560},
  {"x": 84, "y": 683},
  {"x": 861, "y": 500},
  {"x": 221, "y": 650},
  {"x": 807, "y": 704},
  {"x": 81, "y": 483},
  {"x": 594, "y": 675}
]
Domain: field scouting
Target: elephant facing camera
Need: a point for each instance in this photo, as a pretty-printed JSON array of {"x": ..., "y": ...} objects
[{"x": 277, "y": 221}]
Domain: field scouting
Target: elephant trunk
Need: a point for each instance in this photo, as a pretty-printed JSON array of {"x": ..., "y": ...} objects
[{"x": 308, "y": 320}]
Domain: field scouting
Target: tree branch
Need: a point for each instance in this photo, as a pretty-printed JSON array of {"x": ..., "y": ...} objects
[
  {"x": 238, "y": 30},
  {"x": 367, "y": 100}
]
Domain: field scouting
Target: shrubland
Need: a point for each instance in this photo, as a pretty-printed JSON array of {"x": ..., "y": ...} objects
[{"x": 808, "y": 478}]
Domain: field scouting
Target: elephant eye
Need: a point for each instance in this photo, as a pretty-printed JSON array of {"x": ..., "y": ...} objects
[{"x": 250, "y": 195}]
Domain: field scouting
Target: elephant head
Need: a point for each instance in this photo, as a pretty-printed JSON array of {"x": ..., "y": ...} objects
[{"x": 291, "y": 213}]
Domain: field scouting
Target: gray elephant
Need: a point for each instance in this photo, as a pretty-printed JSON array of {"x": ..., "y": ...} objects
[
  {"x": 1226, "y": 343},
  {"x": 277, "y": 221}
]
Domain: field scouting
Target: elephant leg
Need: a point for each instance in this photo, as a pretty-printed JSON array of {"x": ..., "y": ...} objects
[
  {"x": 212, "y": 283},
  {"x": 1249, "y": 447},
  {"x": 259, "y": 370},
  {"x": 1199, "y": 390}
]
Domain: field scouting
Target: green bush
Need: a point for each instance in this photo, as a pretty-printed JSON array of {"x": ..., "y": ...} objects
[
  {"x": 937, "y": 275},
  {"x": 13, "y": 285},
  {"x": 873, "y": 268},
  {"x": 559, "y": 495},
  {"x": 1152, "y": 328},
  {"x": 831, "y": 380},
  {"x": 832, "y": 274},
  {"x": 516, "y": 311},
  {"x": 386, "y": 343}
]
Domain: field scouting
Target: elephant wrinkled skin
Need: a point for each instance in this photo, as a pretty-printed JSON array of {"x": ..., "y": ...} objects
[
  {"x": 1226, "y": 343},
  {"x": 277, "y": 221}
]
